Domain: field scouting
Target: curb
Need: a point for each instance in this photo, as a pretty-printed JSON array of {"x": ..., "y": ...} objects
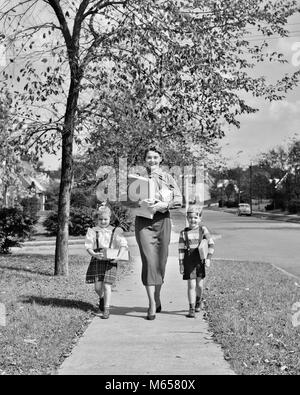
[{"x": 270, "y": 216}]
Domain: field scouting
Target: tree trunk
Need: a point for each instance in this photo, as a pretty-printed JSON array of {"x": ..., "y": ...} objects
[
  {"x": 5, "y": 196},
  {"x": 61, "y": 251}
]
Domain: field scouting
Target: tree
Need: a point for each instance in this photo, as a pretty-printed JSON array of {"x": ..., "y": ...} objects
[
  {"x": 11, "y": 167},
  {"x": 229, "y": 190},
  {"x": 261, "y": 186},
  {"x": 189, "y": 60}
]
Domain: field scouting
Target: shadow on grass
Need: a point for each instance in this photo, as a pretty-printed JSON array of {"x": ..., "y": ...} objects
[
  {"x": 61, "y": 303},
  {"x": 25, "y": 270}
]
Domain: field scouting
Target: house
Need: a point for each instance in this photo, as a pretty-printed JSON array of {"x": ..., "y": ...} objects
[{"x": 29, "y": 184}]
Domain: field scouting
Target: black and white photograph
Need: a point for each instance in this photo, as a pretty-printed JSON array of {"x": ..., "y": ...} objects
[{"x": 150, "y": 190}]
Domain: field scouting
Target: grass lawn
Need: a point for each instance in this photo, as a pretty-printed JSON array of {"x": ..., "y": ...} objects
[
  {"x": 45, "y": 314},
  {"x": 249, "y": 309}
]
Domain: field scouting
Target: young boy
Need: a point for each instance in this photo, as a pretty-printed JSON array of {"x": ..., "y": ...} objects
[{"x": 191, "y": 265}]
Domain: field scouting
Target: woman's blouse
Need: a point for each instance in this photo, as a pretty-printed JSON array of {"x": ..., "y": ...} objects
[
  {"x": 104, "y": 237},
  {"x": 166, "y": 188}
]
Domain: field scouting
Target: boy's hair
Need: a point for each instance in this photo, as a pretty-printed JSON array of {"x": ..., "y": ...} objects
[
  {"x": 194, "y": 210},
  {"x": 102, "y": 210}
]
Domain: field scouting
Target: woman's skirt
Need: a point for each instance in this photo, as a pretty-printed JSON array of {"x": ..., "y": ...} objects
[
  {"x": 153, "y": 238},
  {"x": 102, "y": 271}
]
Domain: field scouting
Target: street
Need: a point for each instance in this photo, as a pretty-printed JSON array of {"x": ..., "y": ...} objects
[
  {"x": 254, "y": 239},
  {"x": 237, "y": 238}
]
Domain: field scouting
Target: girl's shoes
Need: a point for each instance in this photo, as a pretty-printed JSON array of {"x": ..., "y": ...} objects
[
  {"x": 105, "y": 315},
  {"x": 158, "y": 309}
]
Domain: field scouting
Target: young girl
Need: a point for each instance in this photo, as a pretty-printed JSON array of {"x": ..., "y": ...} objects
[
  {"x": 190, "y": 263},
  {"x": 102, "y": 272}
]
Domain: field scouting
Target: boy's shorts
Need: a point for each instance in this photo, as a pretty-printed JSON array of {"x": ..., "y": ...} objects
[{"x": 194, "y": 266}]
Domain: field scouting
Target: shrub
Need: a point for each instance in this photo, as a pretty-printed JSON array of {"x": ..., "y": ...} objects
[
  {"x": 231, "y": 204},
  {"x": 79, "y": 199},
  {"x": 269, "y": 207},
  {"x": 82, "y": 218},
  {"x": 15, "y": 226},
  {"x": 121, "y": 216},
  {"x": 294, "y": 206},
  {"x": 31, "y": 207},
  {"x": 50, "y": 224}
]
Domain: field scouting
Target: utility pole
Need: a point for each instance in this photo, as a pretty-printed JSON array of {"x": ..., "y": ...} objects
[{"x": 250, "y": 186}]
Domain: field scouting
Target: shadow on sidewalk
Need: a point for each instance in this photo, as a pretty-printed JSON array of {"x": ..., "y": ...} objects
[
  {"x": 128, "y": 311},
  {"x": 62, "y": 303}
]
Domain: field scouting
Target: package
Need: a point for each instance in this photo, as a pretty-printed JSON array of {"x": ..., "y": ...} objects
[
  {"x": 113, "y": 253},
  {"x": 203, "y": 249},
  {"x": 144, "y": 210},
  {"x": 140, "y": 188}
]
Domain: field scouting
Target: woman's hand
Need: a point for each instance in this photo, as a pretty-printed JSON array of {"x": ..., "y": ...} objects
[
  {"x": 159, "y": 206},
  {"x": 99, "y": 255},
  {"x": 207, "y": 262}
]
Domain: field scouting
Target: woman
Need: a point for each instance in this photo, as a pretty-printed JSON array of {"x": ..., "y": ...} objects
[{"x": 153, "y": 235}]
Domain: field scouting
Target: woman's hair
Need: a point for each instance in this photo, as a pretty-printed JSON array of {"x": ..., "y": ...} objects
[
  {"x": 102, "y": 210},
  {"x": 154, "y": 149},
  {"x": 194, "y": 210}
]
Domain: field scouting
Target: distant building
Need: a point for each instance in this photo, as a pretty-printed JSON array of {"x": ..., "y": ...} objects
[{"x": 30, "y": 184}]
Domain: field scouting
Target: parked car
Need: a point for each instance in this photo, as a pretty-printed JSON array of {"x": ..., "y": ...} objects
[{"x": 244, "y": 209}]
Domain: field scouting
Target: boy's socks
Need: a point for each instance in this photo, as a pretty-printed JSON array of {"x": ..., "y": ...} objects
[
  {"x": 105, "y": 313},
  {"x": 191, "y": 313},
  {"x": 198, "y": 304}
]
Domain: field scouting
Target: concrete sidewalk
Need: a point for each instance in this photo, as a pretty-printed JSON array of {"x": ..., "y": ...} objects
[{"x": 128, "y": 344}]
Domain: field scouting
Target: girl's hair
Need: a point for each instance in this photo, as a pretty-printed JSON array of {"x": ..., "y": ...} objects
[
  {"x": 154, "y": 149},
  {"x": 194, "y": 210},
  {"x": 102, "y": 210}
]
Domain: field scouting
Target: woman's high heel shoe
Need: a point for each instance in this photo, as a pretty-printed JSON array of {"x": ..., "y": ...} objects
[
  {"x": 158, "y": 309},
  {"x": 150, "y": 317}
]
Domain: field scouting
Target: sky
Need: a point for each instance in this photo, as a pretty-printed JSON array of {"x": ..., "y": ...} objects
[{"x": 275, "y": 124}]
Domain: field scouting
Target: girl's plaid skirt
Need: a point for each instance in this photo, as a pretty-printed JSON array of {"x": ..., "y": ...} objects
[{"x": 102, "y": 271}]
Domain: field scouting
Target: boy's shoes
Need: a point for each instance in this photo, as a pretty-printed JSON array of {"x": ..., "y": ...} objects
[
  {"x": 191, "y": 313},
  {"x": 97, "y": 313},
  {"x": 199, "y": 305},
  {"x": 101, "y": 304},
  {"x": 105, "y": 315}
]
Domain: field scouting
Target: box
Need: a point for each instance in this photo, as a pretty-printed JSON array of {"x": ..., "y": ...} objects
[
  {"x": 112, "y": 253},
  {"x": 203, "y": 249},
  {"x": 140, "y": 188},
  {"x": 144, "y": 210}
]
